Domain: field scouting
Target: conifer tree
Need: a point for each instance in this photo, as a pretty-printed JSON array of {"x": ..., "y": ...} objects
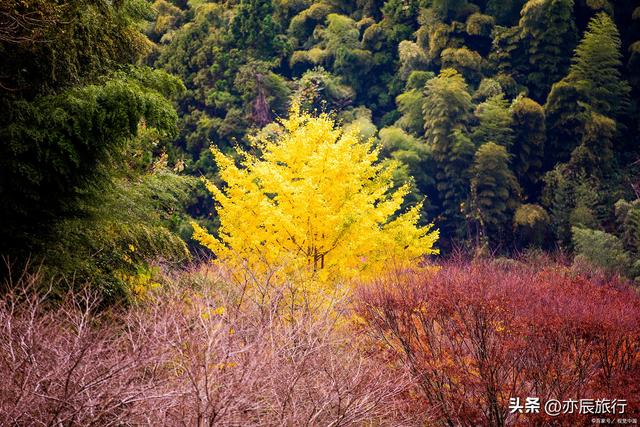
[
  {"x": 410, "y": 104},
  {"x": 416, "y": 165},
  {"x": 596, "y": 67},
  {"x": 495, "y": 122},
  {"x": 447, "y": 106},
  {"x": 594, "y": 83},
  {"x": 594, "y": 156},
  {"x": 565, "y": 116},
  {"x": 628, "y": 219}
]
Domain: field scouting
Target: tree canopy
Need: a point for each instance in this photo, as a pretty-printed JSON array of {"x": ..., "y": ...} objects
[{"x": 316, "y": 199}]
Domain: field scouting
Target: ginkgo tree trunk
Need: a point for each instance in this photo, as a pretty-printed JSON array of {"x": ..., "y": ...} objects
[{"x": 316, "y": 200}]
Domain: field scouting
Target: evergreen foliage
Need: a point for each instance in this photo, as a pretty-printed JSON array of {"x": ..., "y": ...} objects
[
  {"x": 596, "y": 68},
  {"x": 528, "y": 125},
  {"x": 47, "y": 46},
  {"x": 415, "y": 166},
  {"x": 439, "y": 86},
  {"x": 495, "y": 191},
  {"x": 121, "y": 229},
  {"x": 516, "y": 84},
  {"x": 254, "y": 27},
  {"x": 494, "y": 122},
  {"x": 602, "y": 250},
  {"x": 82, "y": 129},
  {"x": 57, "y": 146},
  {"x": 447, "y": 110},
  {"x": 549, "y": 34}
]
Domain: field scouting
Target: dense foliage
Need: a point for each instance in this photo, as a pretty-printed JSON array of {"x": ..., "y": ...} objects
[
  {"x": 552, "y": 83},
  {"x": 316, "y": 200},
  {"x": 512, "y": 124},
  {"x": 84, "y": 186},
  {"x": 475, "y": 335}
]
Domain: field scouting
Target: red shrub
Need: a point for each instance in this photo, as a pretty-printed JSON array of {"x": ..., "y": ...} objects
[{"x": 474, "y": 335}]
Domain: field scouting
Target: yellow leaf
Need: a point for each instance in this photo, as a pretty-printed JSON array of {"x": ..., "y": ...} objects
[{"x": 317, "y": 201}]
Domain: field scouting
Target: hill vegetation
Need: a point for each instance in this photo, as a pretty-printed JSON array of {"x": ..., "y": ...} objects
[
  {"x": 317, "y": 212},
  {"x": 513, "y": 124}
]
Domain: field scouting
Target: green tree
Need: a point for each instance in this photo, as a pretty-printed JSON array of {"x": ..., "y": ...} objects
[
  {"x": 318, "y": 90},
  {"x": 266, "y": 92},
  {"x": 602, "y": 250},
  {"x": 595, "y": 154},
  {"x": 80, "y": 134},
  {"x": 448, "y": 9},
  {"x": 447, "y": 109},
  {"x": 572, "y": 198},
  {"x": 495, "y": 192},
  {"x": 494, "y": 122},
  {"x": 123, "y": 227},
  {"x": 72, "y": 106},
  {"x": 596, "y": 66},
  {"x": 565, "y": 117},
  {"x": 508, "y": 53},
  {"x": 528, "y": 149},
  {"x": 400, "y": 17},
  {"x": 593, "y": 83},
  {"x": 350, "y": 61},
  {"x": 628, "y": 221},
  {"x": 416, "y": 166},
  {"x": 466, "y": 61},
  {"x": 487, "y": 88},
  {"x": 506, "y": 12},
  {"x": 410, "y": 104},
  {"x": 549, "y": 34},
  {"x": 58, "y": 146},
  {"x": 254, "y": 27},
  {"x": 47, "y": 46},
  {"x": 200, "y": 53}
]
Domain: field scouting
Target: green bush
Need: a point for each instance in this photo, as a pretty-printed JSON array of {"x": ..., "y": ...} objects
[{"x": 601, "y": 250}]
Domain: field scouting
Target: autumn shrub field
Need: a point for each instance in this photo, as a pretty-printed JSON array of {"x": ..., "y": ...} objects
[
  {"x": 192, "y": 353},
  {"x": 475, "y": 335},
  {"x": 436, "y": 346}
]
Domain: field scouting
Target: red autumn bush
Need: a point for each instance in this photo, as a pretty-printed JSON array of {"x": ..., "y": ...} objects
[
  {"x": 473, "y": 335},
  {"x": 188, "y": 354}
]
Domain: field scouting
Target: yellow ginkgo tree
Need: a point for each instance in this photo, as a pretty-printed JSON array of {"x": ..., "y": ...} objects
[{"x": 316, "y": 201}]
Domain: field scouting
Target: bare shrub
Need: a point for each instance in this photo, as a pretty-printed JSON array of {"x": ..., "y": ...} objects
[
  {"x": 188, "y": 354},
  {"x": 64, "y": 364}
]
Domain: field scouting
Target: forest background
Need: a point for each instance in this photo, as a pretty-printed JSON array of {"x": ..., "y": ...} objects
[
  {"x": 509, "y": 126},
  {"x": 514, "y": 122}
]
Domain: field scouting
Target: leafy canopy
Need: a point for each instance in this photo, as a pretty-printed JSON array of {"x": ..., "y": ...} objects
[
  {"x": 317, "y": 199},
  {"x": 596, "y": 67}
]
